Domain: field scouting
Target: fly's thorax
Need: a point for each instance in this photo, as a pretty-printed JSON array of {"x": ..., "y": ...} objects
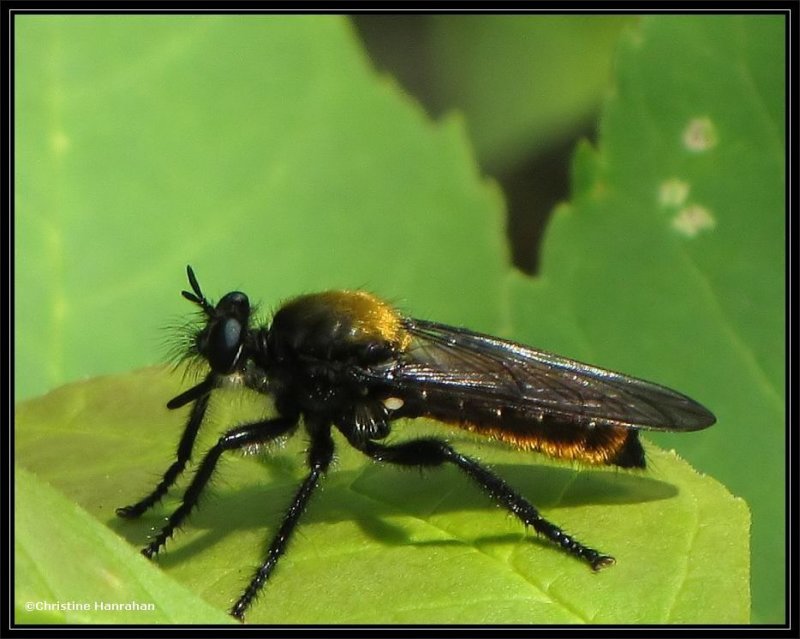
[
  {"x": 316, "y": 342},
  {"x": 337, "y": 326}
]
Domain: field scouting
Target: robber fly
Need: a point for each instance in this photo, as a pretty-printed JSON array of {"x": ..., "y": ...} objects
[{"x": 348, "y": 360}]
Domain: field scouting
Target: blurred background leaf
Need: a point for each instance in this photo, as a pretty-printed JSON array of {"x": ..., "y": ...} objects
[
  {"x": 523, "y": 84},
  {"x": 264, "y": 151},
  {"x": 529, "y": 86}
]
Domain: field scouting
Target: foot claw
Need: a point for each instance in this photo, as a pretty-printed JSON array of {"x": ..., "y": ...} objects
[
  {"x": 602, "y": 561},
  {"x": 128, "y": 512}
]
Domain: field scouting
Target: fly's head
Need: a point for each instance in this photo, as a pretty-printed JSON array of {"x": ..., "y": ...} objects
[{"x": 222, "y": 341}]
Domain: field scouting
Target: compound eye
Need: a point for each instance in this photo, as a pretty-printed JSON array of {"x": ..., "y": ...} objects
[
  {"x": 224, "y": 345},
  {"x": 236, "y": 304}
]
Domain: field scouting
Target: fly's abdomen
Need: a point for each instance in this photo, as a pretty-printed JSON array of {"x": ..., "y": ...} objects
[{"x": 534, "y": 430}]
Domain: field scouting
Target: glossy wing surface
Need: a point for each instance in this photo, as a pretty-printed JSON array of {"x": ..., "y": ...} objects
[{"x": 496, "y": 373}]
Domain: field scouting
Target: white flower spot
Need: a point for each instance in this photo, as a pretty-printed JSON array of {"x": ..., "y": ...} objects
[
  {"x": 693, "y": 219},
  {"x": 700, "y": 135}
]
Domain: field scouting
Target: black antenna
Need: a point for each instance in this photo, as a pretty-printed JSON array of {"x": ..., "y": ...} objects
[{"x": 197, "y": 297}]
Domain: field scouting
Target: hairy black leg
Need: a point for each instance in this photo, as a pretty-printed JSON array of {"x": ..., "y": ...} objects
[
  {"x": 320, "y": 454},
  {"x": 240, "y": 437},
  {"x": 434, "y": 452},
  {"x": 200, "y": 393}
]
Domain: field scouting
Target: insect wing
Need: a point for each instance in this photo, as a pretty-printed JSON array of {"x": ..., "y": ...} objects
[{"x": 492, "y": 373}]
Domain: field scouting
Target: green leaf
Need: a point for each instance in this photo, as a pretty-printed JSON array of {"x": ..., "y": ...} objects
[
  {"x": 521, "y": 81},
  {"x": 263, "y": 150},
  {"x": 384, "y": 545},
  {"x": 109, "y": 584},
  {"x": 668, "y": 263}
]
